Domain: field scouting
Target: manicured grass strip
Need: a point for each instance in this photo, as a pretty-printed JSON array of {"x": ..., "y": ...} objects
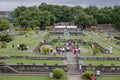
[
  {"x": 27, "y": 61},
  {"x": 109, "y": 78},
  {"x": 20, "y": 54},
  {"x": 28, "y": 78},
  {"x": 101, "y": 62},
  {"x": 99, "y": 54},
  {"x": 26, "y": 54}
]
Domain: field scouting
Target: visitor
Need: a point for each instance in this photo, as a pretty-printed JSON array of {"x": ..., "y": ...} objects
[
  {"x": 68, "y": 48},
  {"x": 73, "y": 51},
  {"x": 80, "y": 68},
  {"x": 79, "y": 50},
  {"x": 70, "y": 43},
  {"x": 42, "y": 41},
  {"x": 48, "y": 52},
  {"x": 39, "y": 50},
  {"x": 110, "y": 49},
  {"x": 73, "y": 42},
  {"x": 62, "y": 51},
  {"x": 27, "y": 46},
  {"x": 91, "y": 77},
  {"x": 95, "y": 78},
  {"x": 51, "y": 51},
  {"x": 18, "y": 46},
  {"x": 12, "y": 45},
  {"x": 106, "y": 39},
  {"x": 37, "y": 32},
  {"x": 58, "y": 37},
  {"x": 54, "y": 52}
]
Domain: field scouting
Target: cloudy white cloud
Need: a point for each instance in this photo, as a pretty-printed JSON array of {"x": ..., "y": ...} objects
[{"x": 12, "y": 4}]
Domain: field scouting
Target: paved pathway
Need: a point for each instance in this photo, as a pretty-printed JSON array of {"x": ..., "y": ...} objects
[{"x": 73, "y": 73}]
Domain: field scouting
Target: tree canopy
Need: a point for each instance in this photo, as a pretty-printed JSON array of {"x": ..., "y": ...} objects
[
  {"x": 3, "y": 25},
  {"x": 84, "y": 21},
  {"x": 32, "y": 17},
  {"x": 48, "y": 14}
]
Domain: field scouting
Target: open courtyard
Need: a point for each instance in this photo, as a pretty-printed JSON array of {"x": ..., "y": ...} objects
[{"x": 60, "y": 42}]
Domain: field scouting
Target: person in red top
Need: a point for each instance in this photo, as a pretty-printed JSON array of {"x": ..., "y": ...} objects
[
  {"x": 91, "y": 77},
  {"x": 74, "y": 51}
]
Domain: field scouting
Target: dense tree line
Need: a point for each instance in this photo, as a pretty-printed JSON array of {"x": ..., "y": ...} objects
[{"x": 48, "y": 14}]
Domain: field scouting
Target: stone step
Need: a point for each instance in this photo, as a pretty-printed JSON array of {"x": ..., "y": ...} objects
[
  {"x": 72, "y": 63},
  {"x": 74, "y": 77},
  {"x": 74, "y": 73}
]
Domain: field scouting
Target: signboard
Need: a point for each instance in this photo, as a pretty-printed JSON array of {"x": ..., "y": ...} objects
[{"x": 66, "y": 34}]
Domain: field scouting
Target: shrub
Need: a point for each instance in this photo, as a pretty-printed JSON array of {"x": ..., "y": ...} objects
[
  {"x": 93, "y": 28},
  {"x": 58, "y": 73},
  {"x": 45, "y": 49},
  {"x": 22, "y": 45},
  {"x": 95, "y": 50},
  {"x": 55, "y": 40},
  {"x": 87, "y": 74},
  {"x": 88, "y": 43},
  {"x": 3, "y": 45},
  {"x": 6, "y": 38},
  {"x": 48, "y": 28}
]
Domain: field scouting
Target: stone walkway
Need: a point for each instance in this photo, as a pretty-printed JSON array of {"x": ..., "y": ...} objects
[{"x": 73, "y": 73}]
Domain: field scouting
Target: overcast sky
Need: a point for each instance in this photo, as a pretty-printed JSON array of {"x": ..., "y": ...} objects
[{"x": 8, "y": 5}]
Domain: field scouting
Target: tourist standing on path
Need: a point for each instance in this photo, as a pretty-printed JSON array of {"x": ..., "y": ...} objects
[
  {"x": 80, "y": 68},
  {"x": 73, "y": 51},
  {"x": 110, "y": 48},
  {"x": 13, "y": 46},
  {"x": 79, "y": 50}
]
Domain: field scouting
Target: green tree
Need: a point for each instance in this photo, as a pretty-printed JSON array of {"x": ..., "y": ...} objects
[
  {"x": 104, "y": 15},
  {"x": 45, "y": 49},
  {"x": 4, "y": 25},
  {"x": 116, "y": 17},
  {"x": 85, "y": 21},
  {"x": 92, "y": 10},
  {"x": 45, "y": 19},
  {"x": 32, "y": 17}
]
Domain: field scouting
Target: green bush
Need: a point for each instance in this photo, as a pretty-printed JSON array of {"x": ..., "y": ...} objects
[
  {"x": 95, "y": 50},
  {"x": 48, "y": 28},
  {"x": 4, "y": 25},
  {"x": 55, "y": 40},
  {"x": 6, "y": 38},
  {"x": 3, "y": 45},
  {"x": 58, "y": 73},
  {"x": 22, "y": 45},
  {"x": 87, "y": 74},
  {"x": 45, "y": 49},
  {"x": 93, "y": 28},
  {"x": 88, "y": 43}
]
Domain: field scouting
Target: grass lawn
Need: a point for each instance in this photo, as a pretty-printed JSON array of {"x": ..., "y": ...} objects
[
  {"x": 89, "y": 35},
  {"x": 27, "y": 61},
  {"x": 109, "y": 78},
  {"x": 28, "y": 78},
  {"x": 30, "y": 39},
  {"x": 101, "y": 62},
  {"x": 99, "y": 54},
  {"x": 27, "y": 54}
]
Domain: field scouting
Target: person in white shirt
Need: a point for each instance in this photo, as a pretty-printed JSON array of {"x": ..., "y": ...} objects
[
  {"x": 79, "y": 49},
  {"x": 110, "y": 48}
]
